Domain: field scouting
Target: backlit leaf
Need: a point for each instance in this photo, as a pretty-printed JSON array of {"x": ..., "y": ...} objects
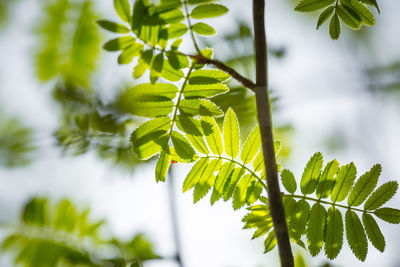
[
  {"x": 113, "y": 26},
  {"x": 381, "y": 195},
  {"x": 364, "y": 186},
  {"x": 311, "y": 174},
  {"x": 373, "y": 232},
  {"x": 208, "y": 11},
  {"x": 344, "y": 181},
  {"x": 356, "y": 236},
  {"x": 230, "y": 131},
  {"x": 312, "y": 5}
]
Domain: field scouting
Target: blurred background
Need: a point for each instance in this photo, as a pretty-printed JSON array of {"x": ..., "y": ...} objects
[{"x": 64, "y": 145}]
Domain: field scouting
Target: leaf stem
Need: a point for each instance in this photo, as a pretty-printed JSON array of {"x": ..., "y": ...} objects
[
  {"x": 277, "y": 210},
  {"x": 241, "y": 165},
  {"x": 179, "y": 99},
  {"x": 324, "y": 202},
  {"x": 191, "y": 29}
]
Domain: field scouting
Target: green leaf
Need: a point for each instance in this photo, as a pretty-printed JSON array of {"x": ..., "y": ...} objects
[
  {"x": 315, "y": 229},
  {"x": 388, "y": 215},
  {"x": 356, "y": 235},
  {"x": 123, "y": 9},
  {"x": 230, "y": 184},
  {"x": 175, "y": 158},
  {"x": 381, "y": 195},
  {"x": 177, "y": 61},
  {"x": 239, "y": 197},
  {"x": 194, "y": 2},
  {"x": 148, "y": 109},
  {"x": 333, "y": 233},
  {"x": 326, "y": 180},
  {"x": 349, "y": 16},
  {"x": 311, "y": 174},
  {"x": 150, "y": 92},
  {"x": 162, "y": 166},
  {"x": 200, "y": 107},
  {"x": 373, "y": 232},
  {"x": 270, "y": 242},
  {"x": 204, "y": 90},
  {"x": 371, "y": 3},
  {"x": 366, "y": 15},
  {"x": 222, "y": 177},
  {"x": 344, "y": 181},
  {"x": 258, "y": 163},
  {"x": 208, "y": 11},
  {"x": 251, "y": 146},
  {"x": 300, "y": 219},
  {"x": 364, "y": 186},
  {"x": 129, "y": 53},
  {"x": 214, "y": 139},
  {"x": 194, "y": 132},
  {"x": 230, "y": 131},
  {"x": 208, "y": 76},
  {"x": 176, "y": 44},
  {"x": 312, "y": 5},
  {"x": 324, "y": 16},
  {"x": 170, "y": 73},
  {"x": 144, "y": 138},
  {"x": 203, "y": 29},
  {"x": 176, "y": 30},
  {"x": 112, "y": 26},
  {"x": 195, "y": 174},
  {"x": 207, "y": 180},
  {"x": 156, "y": 67},
  {"x": 182, "y": 146},
  {"x": 119, "y": 43},
  {"x": 334, "y": 27},
  {"x": 288, "y": 181}
]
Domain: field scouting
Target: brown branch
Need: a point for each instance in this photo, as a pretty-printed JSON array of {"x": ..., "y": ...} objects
[
  {"x": 265, "y": 121},
  {"x": 240, "y": 78}
]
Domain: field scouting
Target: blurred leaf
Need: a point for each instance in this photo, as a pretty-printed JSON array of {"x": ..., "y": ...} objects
[
  {"x": 69, "y": 52},
  {"x": 49, "y": 235},
  {"x": 16, "y": 142}
]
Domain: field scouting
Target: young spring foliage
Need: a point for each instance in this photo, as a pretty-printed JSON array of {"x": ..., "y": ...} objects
[
  {"x": 181, "y": 128},
  {"x": 353, "y": 13},
  {"x": 341, "y": 204},
  {"x": 60, "y": 234}
]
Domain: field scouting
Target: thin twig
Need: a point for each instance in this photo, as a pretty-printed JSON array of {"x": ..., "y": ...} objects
[{"x": 240, "y": 78}]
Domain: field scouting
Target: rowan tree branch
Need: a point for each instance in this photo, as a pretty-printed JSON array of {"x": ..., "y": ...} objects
[{"x": 265, "y": 121}]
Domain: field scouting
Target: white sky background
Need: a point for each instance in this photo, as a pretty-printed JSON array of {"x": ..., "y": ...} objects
[{"x": 321, "y": 90}]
